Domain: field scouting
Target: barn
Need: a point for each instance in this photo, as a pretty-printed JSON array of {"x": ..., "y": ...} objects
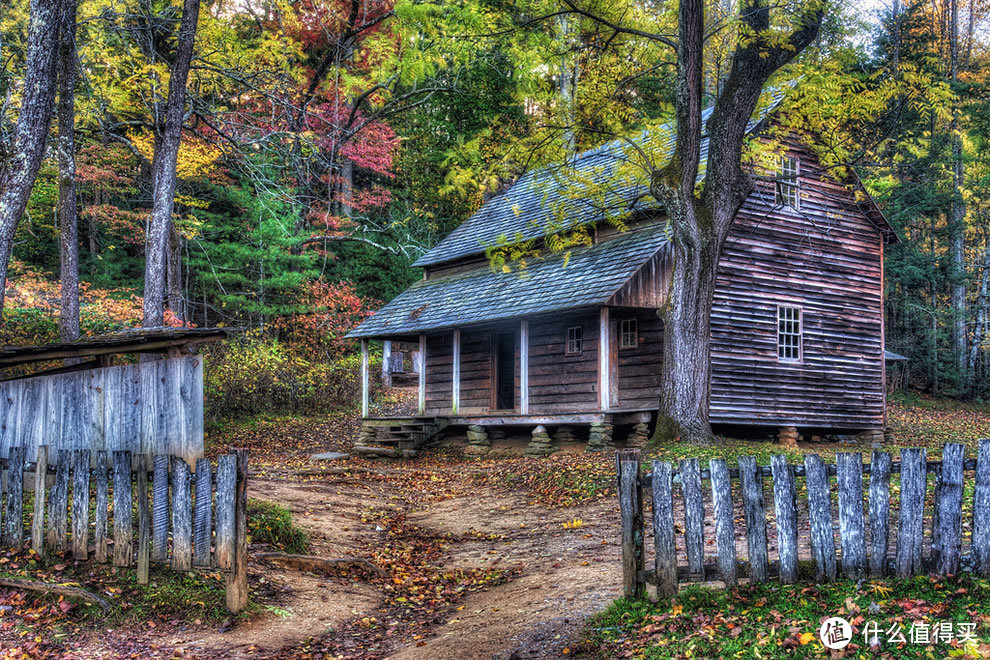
[{"x": 574, "y": 338}]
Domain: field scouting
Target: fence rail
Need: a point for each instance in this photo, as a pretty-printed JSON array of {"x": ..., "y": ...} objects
[
  {"x": 862, "y": 524},
  {"x": 189, "y": 519}
]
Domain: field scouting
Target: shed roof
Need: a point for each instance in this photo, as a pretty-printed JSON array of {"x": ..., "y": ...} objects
[
  {"x": 590, "y": 277},
  {"x": 126, "y": 341}
]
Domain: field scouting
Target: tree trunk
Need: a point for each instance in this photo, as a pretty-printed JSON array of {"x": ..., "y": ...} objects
[
  {"x": 163, "y": 170},
  {"x": 174, "y": 278},
  {"x": 685, "y": 398},
  {"x": 567, "y": 83},
  {"x": 700, "y": 223},
  {"x": 957, "y": 224},
  {"x": 32, "y": 125},
  {"x": 68, "y": 217}
]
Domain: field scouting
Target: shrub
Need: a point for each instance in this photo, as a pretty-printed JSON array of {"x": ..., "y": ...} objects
[
  {"x": 253, "y": 374},
  {"x": 271, "y": 523}
]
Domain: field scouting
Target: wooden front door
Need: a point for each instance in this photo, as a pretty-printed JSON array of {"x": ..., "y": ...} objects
[{"x": 505, "y": 370}]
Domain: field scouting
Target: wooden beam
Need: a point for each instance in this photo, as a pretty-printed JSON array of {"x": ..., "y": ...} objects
[
  {"x": 529, "y": 420},
  {"x": 604, "y": 367},
  {"x": 387, "y": 363},
  {"x": 422, "y": 373},
  {"x": 455, "y": 386},
  {"x": 365, "y": 384},
  {"x": 524, "y": 367}
]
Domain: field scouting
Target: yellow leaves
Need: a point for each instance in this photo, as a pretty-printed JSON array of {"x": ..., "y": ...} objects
[
  {"x": 197, "y": 158},
  {"x": 577, "y": 523},
  {"x": 806, "y": 638},
  {"x": 677, "y": 609}
]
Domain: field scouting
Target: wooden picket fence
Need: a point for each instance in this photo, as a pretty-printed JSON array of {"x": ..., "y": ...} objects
[
  {"x": 194, "y": 520},
  {"x": 864, "y": 526}
]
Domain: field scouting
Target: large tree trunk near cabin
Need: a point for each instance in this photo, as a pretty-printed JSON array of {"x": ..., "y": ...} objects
[
  {"x": 700, "y": 223},
  {"x": 163, "y": 170},
  {"x": 686, "y": 348},
  {"x": 174, "y": 274},
  {"x": 68, "y": 217},
  {"x": 37, "y": 105}
]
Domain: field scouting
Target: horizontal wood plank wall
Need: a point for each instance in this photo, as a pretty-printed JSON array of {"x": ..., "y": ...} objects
[
  {"x": 640, "y": 368},
  {"x": 825, "y": 259},
  {"x": 439, "y": 372},
  {"x": 559, "y": 382},
  {"x": 153, "y": 407},
  {"x": 476, "y": 371}
]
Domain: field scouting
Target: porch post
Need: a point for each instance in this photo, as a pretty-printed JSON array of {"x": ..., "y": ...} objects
[
  {"x": 387, "y": 363},
  {"x": 365, "y": 384},
  {"x": 524, "y": 367},
  {"x": 422, "y": 373},
  {"x": 604, "y": 385},
  {"x": 455, "y": 388}
]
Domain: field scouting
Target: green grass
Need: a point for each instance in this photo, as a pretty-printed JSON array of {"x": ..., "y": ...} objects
[
  {"x": 271, "y": 523},
  {"x": 768, "y": 621}
]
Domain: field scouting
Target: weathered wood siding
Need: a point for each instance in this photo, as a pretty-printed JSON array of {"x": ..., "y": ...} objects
[
  {"x": 640, "y": 368},
  {"x": 476, "y": 371},
  {"x": 826, "y": 259},
  {"x": 439, "y": 372},
  {"x": 151, "y": 407},
  {"x": 559, "y": 382}
]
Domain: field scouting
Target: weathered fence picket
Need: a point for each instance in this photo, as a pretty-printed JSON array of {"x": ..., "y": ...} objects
[
  {"x": 981, "y": 512},
  {"x": 861, "y": 522},
  {"x": 785, "y": 506},
  {"x": 725, "y": 541},
  {"x": 879, "y": 512},
  {"x": 80, "y": 505},
  {"x": 13, "y": 530},
  {"x": 160, "y": 516},
  {"x": 694, "y": 515},
  {"x": 852, "y": 527},
  {"x": 125, "y": 485},
  {"x": 102, "y": 507},
  {"x": 665, "y": 552},
  {"x": 631, "y": 497},
  {"x": 910, "y": 530}
]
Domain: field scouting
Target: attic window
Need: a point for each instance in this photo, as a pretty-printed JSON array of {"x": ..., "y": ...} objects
[
  {"x": 789, "y": 331},
  {"x": 575, "y": 340},
  {"x": 788, "y": 183},
  {"x": 628, "y": 334}
]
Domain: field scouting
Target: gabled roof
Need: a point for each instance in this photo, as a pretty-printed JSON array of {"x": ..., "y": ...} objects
[
  {"x": 544, "y": 197},
  {"x": 544, "y": 200},
  {"x": 590, "y": 277}
]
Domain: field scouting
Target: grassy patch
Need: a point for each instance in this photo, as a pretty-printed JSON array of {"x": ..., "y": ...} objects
[
  {"x": 271, "y": 523},
  {"x": 774, "y": 620}
]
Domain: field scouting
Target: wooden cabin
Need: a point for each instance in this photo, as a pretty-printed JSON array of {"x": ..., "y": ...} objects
[{"x": 575, "y": 338}]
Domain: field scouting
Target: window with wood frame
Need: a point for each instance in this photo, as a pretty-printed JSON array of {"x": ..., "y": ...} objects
[
  {"x": 575, "y": 340},
  {"x": 789, "y": 182},
  {"x": 789, "y": 332},
  {"x": 628, "y": 333}
]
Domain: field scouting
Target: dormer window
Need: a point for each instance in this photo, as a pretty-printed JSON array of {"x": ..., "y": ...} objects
[{"x": 788, "y": 182}]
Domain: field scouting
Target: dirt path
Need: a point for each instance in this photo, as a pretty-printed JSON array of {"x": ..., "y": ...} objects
[
  {"x": 567, "y": 574},
  {"x": 562, "y": 574}
]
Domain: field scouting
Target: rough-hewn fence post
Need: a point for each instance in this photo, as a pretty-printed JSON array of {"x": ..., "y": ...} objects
[
  {"x": 862, "y": 519},
  {"x": 196, "y": 540}
]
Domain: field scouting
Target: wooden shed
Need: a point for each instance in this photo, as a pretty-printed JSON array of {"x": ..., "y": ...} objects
[
  {"x": 575, "y": 338},
  {"x": 104, "y": 403}
]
